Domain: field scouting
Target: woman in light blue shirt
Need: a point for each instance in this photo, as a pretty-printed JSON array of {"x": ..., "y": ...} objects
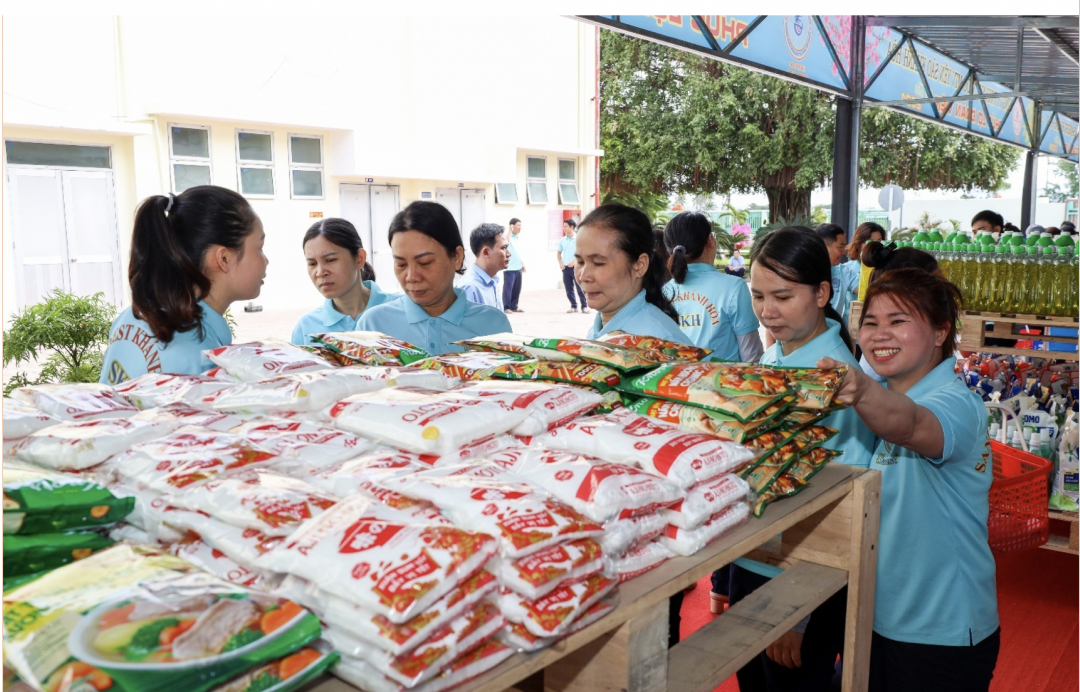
[
  {"x": 714, "y": 308},
  {"x": 432, "y": 315},
  {"x": 935, "y": 610},
  {"x": 337, "y": 264},
  {"x": 192, "y": 255},
  {"x": 623, "y": 280}
]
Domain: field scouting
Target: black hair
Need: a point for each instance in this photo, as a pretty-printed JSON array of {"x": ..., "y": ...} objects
[
  {"x": 1012, "y": 227},
  {"x": 484, "y": 236},
  {"x": 570, "y": 222},
  {"x": 881, "y": 258},
  {"x": 662, "y": 252},
  {"x": 799, "y": 255},
  {"x": 995, "y": 219},
  {"x": 686, "y": 237},
  {"x": 1053, "y": 230},
  {"x": 168, "y": 248},
  {"x": 514, "y": 220},
  {"x": 635, "y": 238},
  {"x": 433, "y": 220},
  {"x": 828, "y": 232},
  {"x": 342, "y": 233}
]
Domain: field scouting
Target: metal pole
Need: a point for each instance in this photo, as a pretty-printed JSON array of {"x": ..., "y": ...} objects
[
  {"x": 841, "y": 182},
  {"x": 1026, "y": 205},
  {"x": 858, "y": 61}
]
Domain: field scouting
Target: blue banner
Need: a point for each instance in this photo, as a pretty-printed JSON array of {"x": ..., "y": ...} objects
[
  {"x": 1052, "y": 143},
  {"x": 1069, "y": 128},
  {"x": 725, "y": 28},
  {"x": 791, "y": 44},
  {"x": 676, "y": 26}
]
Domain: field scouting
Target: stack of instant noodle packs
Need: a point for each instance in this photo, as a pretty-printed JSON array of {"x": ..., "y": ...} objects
[{"x": 406, "y": 521}]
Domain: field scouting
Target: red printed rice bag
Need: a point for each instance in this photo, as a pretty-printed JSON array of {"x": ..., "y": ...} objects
[
  {"x": 705, "y": 500},
  {"x": 686, "y": 542},
  {"x": 315, "y": 445},
  {"x": 598, "y": 489},
  {"x": 157, "y": 389},
  {"x": 379, "y": 558},
  {"x": 184, "y": 413},
  {"x": 470, "y": 665},
  {"x": 475, "y": 450},
  {"x": 75, "y": 402},
  {"x": 623, "y": 436},
  {"x": 217, "y": 563},
  {"x": 520, "y": 638},
  {"x": 433, "y": 655},
  {"x": 77, "y": 446},
  {"x": 484, "y": 497},
  {"x": 549, "y": 405},
  {"x": 424, "y": 421},
  {"x": 22, "y": 419},
  {"x": 622, "y": 534},
  {"x": 149, "y": 513},
  {"x": 553, "y": 614},
  {"x": 258, "y": 360},
  {"x": 255, "y": 499},
  {"x": 244, "y": 545},
  {"x": 534, "y": 576},
  {"x": 640, "y": 559},
  {"x": 363, "y": 474},
  {"x": 304, "y": 391}
]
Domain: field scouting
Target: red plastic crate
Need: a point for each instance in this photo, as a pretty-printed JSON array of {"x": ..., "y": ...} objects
[{"x": 1019, "y": 511}]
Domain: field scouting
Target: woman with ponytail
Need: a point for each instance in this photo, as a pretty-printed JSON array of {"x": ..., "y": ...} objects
[
  {"x": 621, "y": 276},
  {"x": 192, "y": 255},
  {"x": 714, "y": 308},
  {"x": 791, "y": 286}
]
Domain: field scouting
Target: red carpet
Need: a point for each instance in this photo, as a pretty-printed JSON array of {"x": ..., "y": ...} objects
[{"x": 1038, "y": 605}]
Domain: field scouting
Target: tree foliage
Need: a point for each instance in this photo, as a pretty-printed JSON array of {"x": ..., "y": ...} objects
[
  {"x": 1071, "y": 190},
  {"x": 675, "y": 122}
]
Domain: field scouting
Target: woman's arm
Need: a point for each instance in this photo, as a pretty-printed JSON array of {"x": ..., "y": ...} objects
[
  {"x": 893, "y": 417},
  {"x": 750, "y": 348}
]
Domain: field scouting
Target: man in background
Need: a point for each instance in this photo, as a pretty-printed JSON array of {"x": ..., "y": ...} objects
[
  {"x": 492, "y": 250},
  {"x": 736, "y": 265},
  {"x": 565, "y": 257},
  {"x": 836, "y": 242},
  {"x": 512, "y": 276}
]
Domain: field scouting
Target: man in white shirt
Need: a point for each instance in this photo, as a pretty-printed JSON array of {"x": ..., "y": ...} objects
[
  {"x": 512, "y": 275},
  {"x": 492, "y": 250}
]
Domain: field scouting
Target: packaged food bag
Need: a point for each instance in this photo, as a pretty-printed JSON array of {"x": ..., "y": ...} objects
[
  {"x": 45, "y": 551},
  {"x": 794, "y": 479},
  {"x": 305, "y": 391},
  {"x": 623, "y": 436},
  {"x": 132, "y": 534},
  {"x": 705, "y": 500},
  {"x": 258, "y": 360},
  {"x": 474, "y": 450},
  {"x": 77, "y": 446},
  {"x": 213, "y": 561},
  {"x": 703, "y": 420},
  {"x": 620, "y": 535},
  {"x": 379, "y": 558},
  {"x": 686, "y": 542},
  {"x": 515, "y": 345},
  {"x": 242, "y": 545},
  {"x": 1064, "y": 495},
  {"x": 40, "y": 500},
  {"x": 483, "y": 497},
  {"x": 599, "y": 377},
  {"x": 287, "y": 673},
  {"x": 134, "y": 619},
  {"x": 816, "y": 387},
  {"x": 433, "y": 655},
  {"x": 600, "y": 490},
  {"x": 371, "y": 348},
  {"x": 534, "y": 576},
  {"x": 148, "y": 515},
  {"x": 157, "y": 389},
  {"x": 470, "y": 665},
  {"x": 22, "y": 419},
  {"x": 640, "y": 559},
  {"x": 658, "y": 349},
  {"x": 184, "y": 413},
  {"x": 315, "y": 445},
  {"x": 518, "y": 637},
  {"x": 75, "y": 402},
  {"x": 424, "y": 421},
  {"x": 362, "y": 474},
  {"x": 553, "y": 614},
  {"x": 256, "y": 499},
  {"x": 465, "y": 366},
  {"x": 621, "y": 358},
  {"x": 740, "y": 390},
  {"x": 768, "y": 469},
  {"x": 549, "y": 405}
]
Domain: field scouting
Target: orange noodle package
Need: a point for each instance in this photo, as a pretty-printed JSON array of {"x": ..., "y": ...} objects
[
  {"x": 469, "y": 665},
  {"x": 77, "y": 446},
  {"x": 552, "y": 615},
  {"x": 816, "y": 388},
  {"x": 741, "y": 390},
  {"x": 686, "y": 542},
  {"x": 768, "y": 468},
  {"x": 703, "y": 420},
  {"x": 622, "y": 358},
  {"x": 379, "y": 558},
  {"x": 549, "y": 405},
  {"x": 534, "y": 576},
  {"x": 469, "y": 365},
  {"x": 306, "y": 391},
  {"x": 599, "y": 377},
  {"x": 514, "y": 345},
  {"x": 598, "y": 489},
  {"x": 482, "y": 496},
  {"x": 258, "y": 360},
  {"x": 795, "y": 478},
  {"x": 623, "y": 436},
  {"x": 660, "y": 349},
  {"x": 75, "y": 402},
  {"x": 705, "y": 500},
  {"x": 371, "y": 348}
]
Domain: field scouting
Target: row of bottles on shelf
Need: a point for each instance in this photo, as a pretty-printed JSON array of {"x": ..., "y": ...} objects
[{"x": 1033, "y": 276}]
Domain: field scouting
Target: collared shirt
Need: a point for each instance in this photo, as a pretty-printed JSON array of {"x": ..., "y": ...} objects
[
  {"x": 327, "y": 318},
  {"x": 850, "y": 273},
  {"x": 736, "y": 262},
  {"x": 516, "y": 262},
  {"x": 639, "y": 317},
  {"x": 935, "y": 571},
  {"x": 134, "y": 350},
  {"x": 714, "y": 308},
  {"x": 840, "y": 298},
  {"x": 481, "y": 288},
  {"x": 404, "y": 319},
  {"x": 567, "y": 249}
]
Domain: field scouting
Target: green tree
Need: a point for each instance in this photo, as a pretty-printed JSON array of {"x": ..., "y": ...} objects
[
  {"x": 650, "y": 203},
  {"x": 674, "y": 122},
  {"x": 69, "y": 331},
  {"x": 1071, "y": 190}
]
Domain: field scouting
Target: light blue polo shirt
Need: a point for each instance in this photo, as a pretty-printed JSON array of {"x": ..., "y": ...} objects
[
  {"x": 327, "y": 318},
  {"x": 641, "y": 318},
  {"x": 935, "y": 571},
  {"x": 850, "y": 273},
  {"x": 404, "y": 319},
  {"x": 481, "y": 288},
  {"x": 134, "y": 350},
  {"x": 516, "y": 263},
  {"x": 840, "y": 299},
  {"x": 567, "y": 249},
  {"x": 736, "y": 262},
  {"x": 714, "y": 308}
]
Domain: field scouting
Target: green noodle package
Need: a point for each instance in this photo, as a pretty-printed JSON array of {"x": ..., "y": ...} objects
[
  {"x": 741, "y": 390},
  {"x": 371, "y": 348},
  {"x": 621, "y": 358},
  {"x": 795, "y": 478},
  {"x": 44, "y": 551},
  {"x": 39, "y": 500},
  {"x": 599, "y": 377},
  {"x": 698, "y": 419},
  {"x": 816, "y": 387}
]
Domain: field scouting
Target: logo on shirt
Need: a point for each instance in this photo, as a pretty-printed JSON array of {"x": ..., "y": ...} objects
[
  {"x": 117, "y": 374},
  {"x": 885, "y": 458},
  {"x": 690, "y": 320},
  {"x": 146, "y": 343},
  {"x": 984, "y": 461}
]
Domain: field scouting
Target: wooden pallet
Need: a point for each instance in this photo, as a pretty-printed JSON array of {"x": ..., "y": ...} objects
[
  {"x": 828, "y": 539},
  {"x": 978, "y": 326},
  {"x": 1061, "y": 543}
]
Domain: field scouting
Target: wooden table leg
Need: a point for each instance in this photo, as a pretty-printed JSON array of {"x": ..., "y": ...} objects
[
  {"x": 633, "y": 658},
  {"x": 862, "y": 570}
]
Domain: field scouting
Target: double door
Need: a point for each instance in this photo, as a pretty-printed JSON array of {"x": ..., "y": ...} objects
[
  {"x": 371, "y": 208},
  {"x": 467, "y": 206}
]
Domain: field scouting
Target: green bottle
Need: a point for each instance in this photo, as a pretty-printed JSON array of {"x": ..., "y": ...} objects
[
  {"x": 999, "y": 280},
  {"x": 1064, "y": 240},
  {"x": 945, "y": 261},
  {"x": 1062, "y": 267},
  {"x": 1029, "y": 271},
  {"x": 1031, "y": 239},
  {"x": 1044, "y": 239},
  {"x": 1046, "y": 279},
  {"x": 1008, "y": 285},
  {"x": 935, "y": 236},
  {"x": 1074, "y": 281}
]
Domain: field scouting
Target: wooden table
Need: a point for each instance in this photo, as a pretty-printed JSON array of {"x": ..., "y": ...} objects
[{"x": 829, "y": 541}]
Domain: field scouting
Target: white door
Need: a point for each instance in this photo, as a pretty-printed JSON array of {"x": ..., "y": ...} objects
[
  {"x": 472, "y": 215},
  {"x": 92, "y": 247},
  {"x": 356, "y": 208},
  {"x": 37, "y": 215},
  {"x": 385, "y": 203},
  {"x": 450, "y": 197}
]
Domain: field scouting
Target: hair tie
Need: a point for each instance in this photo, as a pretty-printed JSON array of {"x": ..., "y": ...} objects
[
  {"x": 887, "y": 250},
  {"x": 678, "y": 248},
  {"x": 172, "y": 198}
]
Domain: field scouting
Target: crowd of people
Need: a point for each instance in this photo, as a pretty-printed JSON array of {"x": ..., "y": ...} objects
[{"x": 909, "y": 416}]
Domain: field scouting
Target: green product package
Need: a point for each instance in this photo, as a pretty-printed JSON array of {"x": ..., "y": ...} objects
[
  {"x": 599, "y": 377},
  {"x": 741, "y": 390},
  {"x": 43, "y": 551},
  {"x": 514, "y": 345},
  {"x": 286, "y": 673},
  {"x": 815, "y": 387},
  {"x": 763, "y": 474},
  {"x": 622, "y": 358},
  {"x": 39, "y": 500},
  {"x": 135, "y": 619},
  {"x": 702, "y": 420},
  {"x": 371, "y": 348},
  {"x": 795, "y": 478}
]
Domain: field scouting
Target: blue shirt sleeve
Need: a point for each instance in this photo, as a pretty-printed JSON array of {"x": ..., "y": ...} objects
[
  {"x": 298, "y": 336},
  {"x": 741, "y": 311},
  {"x": 472, "y": 293},
  {"x": 962, "y": 424}
]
